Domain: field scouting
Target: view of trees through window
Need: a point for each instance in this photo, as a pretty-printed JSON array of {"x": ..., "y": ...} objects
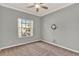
[{"x": 25, "y": 27}]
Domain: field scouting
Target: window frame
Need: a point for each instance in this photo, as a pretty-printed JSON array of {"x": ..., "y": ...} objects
[{"x": 20, "y": 32}]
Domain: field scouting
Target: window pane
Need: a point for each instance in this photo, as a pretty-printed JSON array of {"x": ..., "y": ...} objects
[
  {"x": 23, "y": 21},
  {"x": 23, "y": 25}
]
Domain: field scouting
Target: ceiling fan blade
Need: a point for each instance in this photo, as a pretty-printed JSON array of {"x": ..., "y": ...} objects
[
  {"x": 41, "y": 3},
  {"x": 30, "y": 6},
  {"x": 45, "y": 7}
]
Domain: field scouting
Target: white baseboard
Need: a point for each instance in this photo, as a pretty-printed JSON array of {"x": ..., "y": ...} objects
[
  {"x": 18, "y": 44},
  {"x": 61, "y": 46}
]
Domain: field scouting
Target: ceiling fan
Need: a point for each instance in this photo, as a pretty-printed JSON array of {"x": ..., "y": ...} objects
[{"x": 37, "y": 6}]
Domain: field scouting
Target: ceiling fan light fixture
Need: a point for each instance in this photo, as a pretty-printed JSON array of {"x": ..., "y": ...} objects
[{"x": 37, "y": 6}]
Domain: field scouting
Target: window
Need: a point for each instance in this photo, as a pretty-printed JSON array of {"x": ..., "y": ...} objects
[{"x": 25, "y": 27}]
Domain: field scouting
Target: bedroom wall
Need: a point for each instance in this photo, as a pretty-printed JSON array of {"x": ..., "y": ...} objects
[
  {"x": 8, "y": 27},
  {"x": 0, "y": 29},
  {"x": 67, "y": 32}
]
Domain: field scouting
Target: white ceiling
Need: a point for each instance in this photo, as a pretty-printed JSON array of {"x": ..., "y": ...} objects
[{"x": 23, "y": 7}]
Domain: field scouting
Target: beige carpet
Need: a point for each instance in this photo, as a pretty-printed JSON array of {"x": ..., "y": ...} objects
[{"x": 37, "y": 49}]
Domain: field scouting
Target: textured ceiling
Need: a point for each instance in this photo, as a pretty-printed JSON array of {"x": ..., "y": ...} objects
[{"x": 23, "y": 7}]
